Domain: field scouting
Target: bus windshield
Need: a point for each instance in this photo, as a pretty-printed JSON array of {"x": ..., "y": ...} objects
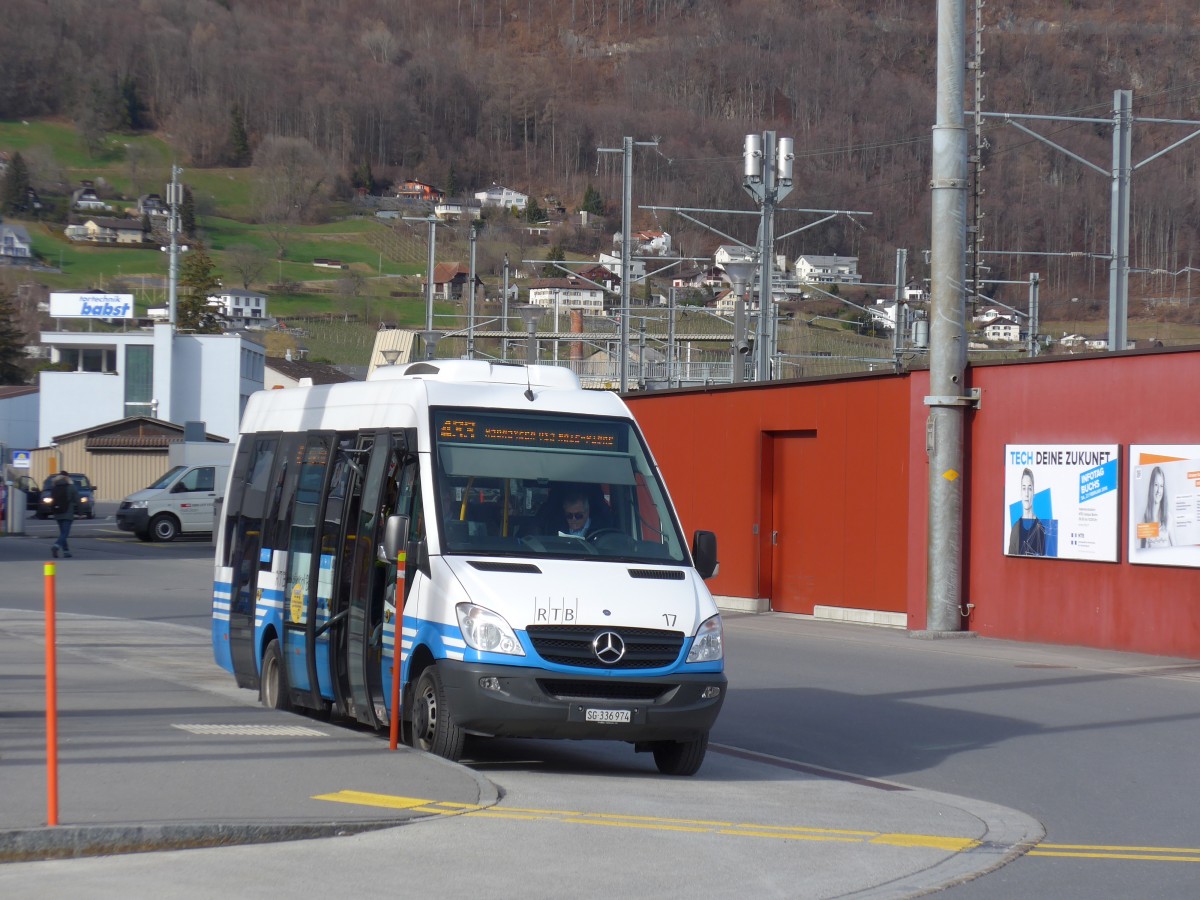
[{"x": 524, "y": 484}]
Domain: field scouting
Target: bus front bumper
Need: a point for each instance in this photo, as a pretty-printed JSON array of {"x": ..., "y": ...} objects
[{"x": 511, "y": 701}]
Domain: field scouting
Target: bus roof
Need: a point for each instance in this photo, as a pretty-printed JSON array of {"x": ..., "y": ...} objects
[{"x": 400, "y": 397}]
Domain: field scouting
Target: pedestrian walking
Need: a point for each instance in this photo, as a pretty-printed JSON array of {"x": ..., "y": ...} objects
[{"x": 64, "y": 498}]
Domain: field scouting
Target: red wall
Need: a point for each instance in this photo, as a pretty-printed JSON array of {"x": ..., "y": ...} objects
[
  {"x": 1116, "y": 400},
  {"x": 861, "y": 494},
  {"x": 848, "y": 505}
]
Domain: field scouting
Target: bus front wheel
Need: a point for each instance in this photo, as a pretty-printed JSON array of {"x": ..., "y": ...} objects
[
  {"x": 433, "y": 726},
  {"x": 272, "y": 688},
  {"x": 680, "y": 757}
]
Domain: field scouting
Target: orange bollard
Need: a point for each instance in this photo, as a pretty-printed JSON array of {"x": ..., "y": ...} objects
[
  {"x": 394, "y": 723},
  {"x": 51, "y": 702}
]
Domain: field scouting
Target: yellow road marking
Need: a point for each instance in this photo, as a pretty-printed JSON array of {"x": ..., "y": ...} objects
[
  {"x": 656, "y": 823},
  {"x": 744, "y": 829},
  {"x": 1109, "y": 851},
  {"x": 387, "y": 801},
  {"x": 928, "y": 841}
]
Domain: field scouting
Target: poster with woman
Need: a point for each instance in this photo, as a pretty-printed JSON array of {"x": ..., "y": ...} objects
[
  {"x": 1061, "y": 501},
  {"x": 1164, "y": 504}
]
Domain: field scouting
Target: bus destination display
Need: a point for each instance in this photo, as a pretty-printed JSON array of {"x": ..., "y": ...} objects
[{"x": 524, "y": 432}]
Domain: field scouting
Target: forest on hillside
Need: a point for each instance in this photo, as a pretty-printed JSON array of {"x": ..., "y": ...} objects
[{"x": 464, "y": 93}]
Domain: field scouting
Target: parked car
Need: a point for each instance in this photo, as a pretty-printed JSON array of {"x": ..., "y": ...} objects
[{"x": 87, "y": 497}]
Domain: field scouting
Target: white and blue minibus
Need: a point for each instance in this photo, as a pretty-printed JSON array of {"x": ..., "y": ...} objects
[{"x": 512, "y": 528}]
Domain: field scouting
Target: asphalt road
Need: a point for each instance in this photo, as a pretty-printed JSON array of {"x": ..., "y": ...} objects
[{"x": 1098, "y": 747}]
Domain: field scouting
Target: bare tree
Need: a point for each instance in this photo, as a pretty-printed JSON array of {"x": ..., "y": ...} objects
[
  {"x": 292, "y": 187},
  {"x": 136, "y": 158},
  {"x": 248, "y": 261},
  {"x": 380, "y": 43}
]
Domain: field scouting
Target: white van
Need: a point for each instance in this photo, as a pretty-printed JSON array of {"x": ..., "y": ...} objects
[
  {"x": 184, "y": 500},
  {"x": 507, "y": 531}
]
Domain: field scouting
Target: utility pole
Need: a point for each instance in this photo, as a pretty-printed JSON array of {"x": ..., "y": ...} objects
[
  {"x": 1118, "y": 265},
  {"x": 900, "y": 322},
  {"x": 767, "y": 178},
  {"x": 1031, "y": 344},
  {"x": 626, "y": 152},
  {"x": 947, "y": 346},
  {"x": 429, "y": 267},
  {"x": 174, "y": 198},
  {"x": 504, "y": 311},
  {"x": 471, "y": 303},
  {"x": 671, "y": 350}
]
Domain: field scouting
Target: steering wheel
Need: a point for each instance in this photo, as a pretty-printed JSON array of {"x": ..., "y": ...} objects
[{"x": 600, "y": 532}]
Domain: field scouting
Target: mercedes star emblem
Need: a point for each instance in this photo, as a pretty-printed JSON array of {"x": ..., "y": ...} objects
[{"x": 609, "y": 647}]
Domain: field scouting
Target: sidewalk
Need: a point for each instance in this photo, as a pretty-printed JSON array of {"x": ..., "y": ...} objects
[{"x": 158, "y": 749}]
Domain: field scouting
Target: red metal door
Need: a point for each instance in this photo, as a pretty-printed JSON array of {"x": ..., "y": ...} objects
[{"x": 791, "y": 521}]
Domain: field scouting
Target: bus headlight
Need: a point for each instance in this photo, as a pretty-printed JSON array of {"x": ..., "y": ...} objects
[
  {"x": 483, "y": 629},
  {"x": 708, "y": 646}
]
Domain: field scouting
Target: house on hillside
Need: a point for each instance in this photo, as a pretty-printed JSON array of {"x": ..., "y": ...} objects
[
  {"x": 85, "y": 199},
  {"x": 417, "y": 191},
  {"x": 455, "y": 209},
  {"x": 827, "y": 269},
  {"x": 505, "y": 198},
  {"x": 646, "y": 243},
  {"x": 1002, "y": 329},
  {"x": 16, "y": 248},
  {"x": 566, "y": 293},
  {"x": 724, "y": 302},
  {"x": 983, "y": 317},
  {"x": 242, "y": 309},
  {"x": 450, "y": 281},
  {"x": 107, "y": 231},
  {"x": 732, "y": 254},
  {"x": 152, "y": 205},
  {"x": 602, "y": 275},
  {"x": 637, "y": 268},
  {"x": 709, "y": 276}
]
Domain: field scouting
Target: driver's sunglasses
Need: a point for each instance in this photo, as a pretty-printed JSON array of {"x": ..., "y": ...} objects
[{"x": 572, "y": 516}]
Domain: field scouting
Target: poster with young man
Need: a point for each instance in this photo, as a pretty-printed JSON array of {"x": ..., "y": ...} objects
[
  {"x": 1164, "y": 504},
  {"x": 1061, "y": 501}
]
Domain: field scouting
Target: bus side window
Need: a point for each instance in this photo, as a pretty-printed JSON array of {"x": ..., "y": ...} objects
[{"x": 409, "y": 503}]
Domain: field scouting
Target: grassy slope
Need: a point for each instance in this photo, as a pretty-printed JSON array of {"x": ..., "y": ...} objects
[{"x": 224, "y": 194}]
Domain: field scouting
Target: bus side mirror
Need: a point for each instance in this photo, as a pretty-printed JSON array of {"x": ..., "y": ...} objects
[
  {"x": 395, "y": 536},
  {"x": 704, "y": 553}
]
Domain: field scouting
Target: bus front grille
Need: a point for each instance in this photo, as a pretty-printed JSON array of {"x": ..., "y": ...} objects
[{"x": 576, "y": 645}]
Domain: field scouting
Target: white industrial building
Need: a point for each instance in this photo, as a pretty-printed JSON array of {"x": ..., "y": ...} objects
[{"x": 155, "y": 372}]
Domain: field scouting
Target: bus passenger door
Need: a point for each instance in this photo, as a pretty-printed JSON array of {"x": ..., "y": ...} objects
[
  {"x": 363, "y": 634},
  {"x": 245, "y": 526},
  {"x": 303, "y": 597}
]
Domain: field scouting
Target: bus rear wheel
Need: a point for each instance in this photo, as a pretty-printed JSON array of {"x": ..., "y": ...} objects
[
  {"x": 272, "y": 685},
  {"x": 680, "y": 757},
  {"x": 433, "y": 727}
]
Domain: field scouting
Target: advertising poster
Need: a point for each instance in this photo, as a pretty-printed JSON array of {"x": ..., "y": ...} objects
[
  {"x": 1061, "y": 501},
  {"x": 67, "y": 305},
  {"x": 1164, "y": 504}
]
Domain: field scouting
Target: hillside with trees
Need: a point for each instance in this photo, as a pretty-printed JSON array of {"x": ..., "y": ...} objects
[{"x": 523, "y": 92}]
